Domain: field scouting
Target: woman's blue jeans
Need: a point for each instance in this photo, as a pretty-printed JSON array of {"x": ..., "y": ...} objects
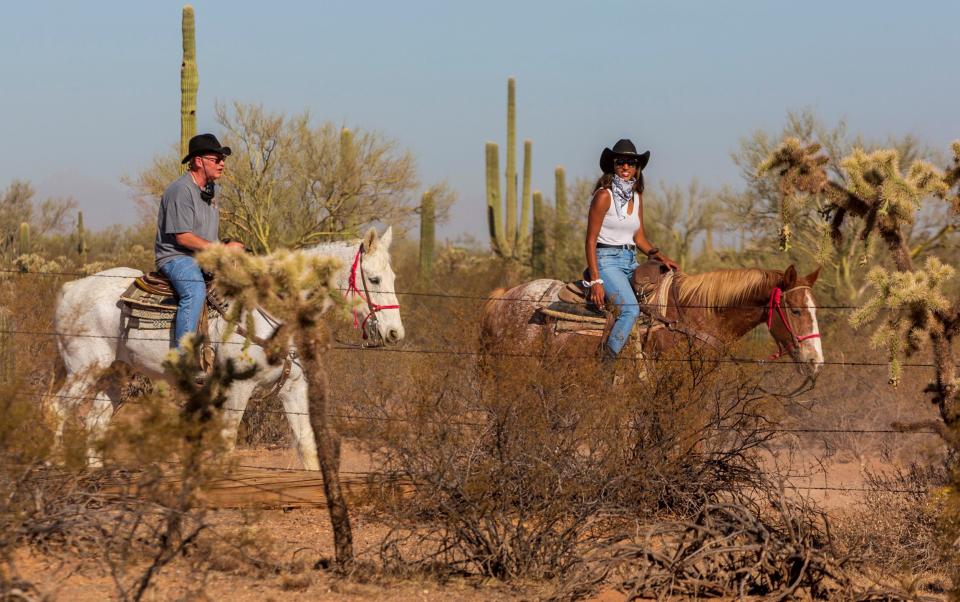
[
  {"x": 616, "y": 267},
  {"x": 187, "y": 280}
]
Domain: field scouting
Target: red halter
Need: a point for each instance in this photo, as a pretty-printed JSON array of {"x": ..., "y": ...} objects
[
  {"x": 365, "y": 295},
  {"x": 776, "y": 298}
]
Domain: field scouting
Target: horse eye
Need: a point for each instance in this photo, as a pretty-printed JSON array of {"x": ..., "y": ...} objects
[
  {"x": 375, "y": 280},
  {"x": 795, "y": 311}
]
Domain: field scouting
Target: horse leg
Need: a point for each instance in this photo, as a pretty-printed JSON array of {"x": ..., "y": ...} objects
[
  {"x": 293, "y": 395},
  {"x": 237, "y": 398},
  {"x": 103, "y": 405},
  {"x": 74, "y": 391}
]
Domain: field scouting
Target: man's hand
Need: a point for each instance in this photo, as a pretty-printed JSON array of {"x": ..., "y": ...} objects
[{"x": 235, "y": 244}]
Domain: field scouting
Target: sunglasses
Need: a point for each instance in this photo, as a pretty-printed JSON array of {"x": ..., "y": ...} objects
[
  {"x": 215, "y": 158},
  {"x": 630, "y": 162}
]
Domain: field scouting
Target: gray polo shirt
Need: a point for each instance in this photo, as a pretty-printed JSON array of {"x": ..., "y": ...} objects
[{"x": 182, "y": 210}]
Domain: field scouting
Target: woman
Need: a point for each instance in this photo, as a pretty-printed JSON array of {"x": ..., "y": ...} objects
[{"x": 614, "y": 235}]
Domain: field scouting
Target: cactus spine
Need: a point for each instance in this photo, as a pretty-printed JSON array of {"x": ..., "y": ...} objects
[
  {"x": 538, "y": 246},
  {"x": 561, "y": 223},
  {"x": 189, "y": 82},
  {"x": 428, "y": 223},
  {"x": 24, "y": 247},
  {"x": 81, "y": 238},
  {"x": 507, "y": 239}
]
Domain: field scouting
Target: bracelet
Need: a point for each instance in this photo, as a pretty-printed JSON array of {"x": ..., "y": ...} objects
[
  {"x": 652, "y": 251},
  {"x": 589, "y": 283}
]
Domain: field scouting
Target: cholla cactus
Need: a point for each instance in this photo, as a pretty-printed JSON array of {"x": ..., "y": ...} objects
[
  {"x": 952, "y": 177},
  {"x": 296, "y": 288},
  {"x": 920, "y": 295},
  {"x": 875, "y": 190}
]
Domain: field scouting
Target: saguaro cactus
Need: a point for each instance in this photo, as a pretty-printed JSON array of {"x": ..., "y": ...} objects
[
  {"x": 189, "y": 82},
  {"x": 81, "y": 238},
  {"x": 561, "y": 225},
  {"x": 511, "y": 174},
  {"x": 428, "y": 223},
  {"x": 7, "y": 355},
  {"x": 24, "y": 247},
  {"x": 538, "y": 245},
  {"x": 508, "y": 240}
]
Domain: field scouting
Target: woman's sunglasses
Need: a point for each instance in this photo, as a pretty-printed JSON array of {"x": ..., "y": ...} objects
[{"x": 630, "y": 162}]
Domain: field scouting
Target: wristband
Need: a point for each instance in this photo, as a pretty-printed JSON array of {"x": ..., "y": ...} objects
[
  {"x": 652, "y": 251},
  {"x": 589, "y": 283}
]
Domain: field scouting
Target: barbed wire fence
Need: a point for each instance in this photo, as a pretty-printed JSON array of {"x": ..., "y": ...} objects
[{"x": 366, "y": 475}]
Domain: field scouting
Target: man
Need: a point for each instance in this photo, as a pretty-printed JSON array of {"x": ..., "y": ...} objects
[{"x": 189, "y": 221}]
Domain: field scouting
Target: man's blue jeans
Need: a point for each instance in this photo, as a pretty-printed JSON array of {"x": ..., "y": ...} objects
[
  {"x": 616, "y": 267},
  {"x": 187, "y": 280}
]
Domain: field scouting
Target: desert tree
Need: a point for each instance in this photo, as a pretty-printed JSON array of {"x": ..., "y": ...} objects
[
  {"x": 677, "y": 218},
  {"x": 18, "y": 207},
  {"x": 291, "y": 182}
]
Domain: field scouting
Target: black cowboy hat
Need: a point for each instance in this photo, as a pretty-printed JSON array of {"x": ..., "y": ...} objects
[
  {"x": 203, "y": 144},
  {"x": 623, "y": 148}
]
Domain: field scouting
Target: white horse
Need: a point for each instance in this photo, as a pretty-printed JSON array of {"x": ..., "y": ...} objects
[{"x": 92, "y": 334}]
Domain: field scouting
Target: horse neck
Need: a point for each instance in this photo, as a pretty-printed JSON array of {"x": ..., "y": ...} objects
[
  {"x": 738, "y": 321},
  {"x": 345, "y": 251},
  {"x": 731, "y": 323}
]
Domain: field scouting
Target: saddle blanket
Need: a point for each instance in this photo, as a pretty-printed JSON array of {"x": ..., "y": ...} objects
[{"x": 149, "y": 311}]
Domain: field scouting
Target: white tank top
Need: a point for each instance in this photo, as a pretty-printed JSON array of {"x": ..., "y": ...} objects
[{"x": 616, "y": 231}]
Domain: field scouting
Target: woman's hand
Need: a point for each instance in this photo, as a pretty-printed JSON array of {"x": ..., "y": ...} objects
[
  {"x": 673, "y": 265},
  {"x": 597, "y": 295}
]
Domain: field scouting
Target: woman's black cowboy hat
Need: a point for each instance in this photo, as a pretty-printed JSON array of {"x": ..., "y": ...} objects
[
  {"x": 623, "y": 148},
  {"x": 205, "y": 144}
]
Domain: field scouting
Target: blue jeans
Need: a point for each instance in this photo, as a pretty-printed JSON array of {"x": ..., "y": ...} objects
[
  {"x": 187, "y": 280},
  {"x": 616, "y": 267}
]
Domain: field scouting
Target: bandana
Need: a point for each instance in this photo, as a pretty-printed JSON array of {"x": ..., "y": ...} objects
[{"x": 622, "y": 194}]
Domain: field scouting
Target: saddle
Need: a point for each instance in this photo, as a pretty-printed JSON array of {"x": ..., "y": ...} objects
[
  {"x": 653, "y": 284},
  {"x": 564, "y": 306},
  {"x": 151, "y": 304}
]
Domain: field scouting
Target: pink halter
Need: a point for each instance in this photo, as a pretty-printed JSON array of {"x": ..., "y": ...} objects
[
  {"x": 365, "y": 295},
  {"x": 776, "y": 298}
]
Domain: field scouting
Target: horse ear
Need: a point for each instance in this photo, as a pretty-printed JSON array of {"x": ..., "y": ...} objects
[
  {"x": 370, "y": 240},
  {"x": 811, "y": 278},
  {"x": 387, "y": 237},
  {"x": 789, "y": 278}
]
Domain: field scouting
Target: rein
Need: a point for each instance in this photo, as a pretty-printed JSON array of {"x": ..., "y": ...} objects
[
  {"x": 288, "y": 359},
  {"x": 372, "y": 308},
  {"x": 776, "y": 304}
]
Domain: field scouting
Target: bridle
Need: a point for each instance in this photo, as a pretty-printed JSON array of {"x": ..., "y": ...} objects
[
  {"x": 776, "y": 304},
  {"x": 372, "y": 307}
]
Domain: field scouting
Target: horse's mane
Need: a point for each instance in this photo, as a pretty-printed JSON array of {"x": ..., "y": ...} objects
[{"x": 725, "y": 288}]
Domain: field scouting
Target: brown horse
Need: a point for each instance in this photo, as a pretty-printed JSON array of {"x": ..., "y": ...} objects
[{"x": 716, "y": 308}]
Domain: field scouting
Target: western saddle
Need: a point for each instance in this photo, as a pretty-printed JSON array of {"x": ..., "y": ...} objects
[
  {"x": 653, "y": 283},
  {"x": 151, "y": 304}
]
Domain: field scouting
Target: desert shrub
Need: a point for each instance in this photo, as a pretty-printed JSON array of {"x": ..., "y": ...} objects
[
  {"x": 894, "y": 527},
  {"x": 505, "y": 469}
]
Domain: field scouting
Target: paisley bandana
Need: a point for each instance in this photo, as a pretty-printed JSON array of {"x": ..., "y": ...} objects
[{"x": 622, "y": 194}]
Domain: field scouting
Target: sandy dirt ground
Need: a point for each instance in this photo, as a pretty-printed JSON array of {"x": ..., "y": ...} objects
[{"x": 294, "y": 532}]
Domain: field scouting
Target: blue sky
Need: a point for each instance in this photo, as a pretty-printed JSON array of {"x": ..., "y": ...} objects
[{"x": 91, "y": 90}]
